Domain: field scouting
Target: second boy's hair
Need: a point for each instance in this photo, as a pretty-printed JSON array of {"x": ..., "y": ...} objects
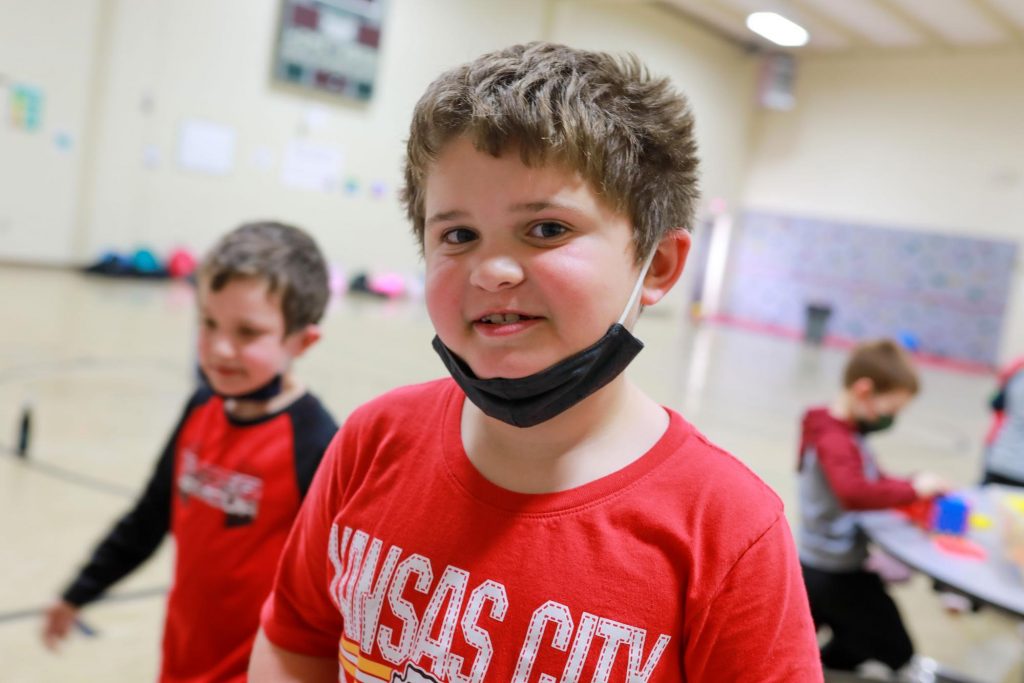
[
  {"x": 629, "y": 135},
  {"x": 885, "y": 363},
  {"x": 286, "y": 257}
]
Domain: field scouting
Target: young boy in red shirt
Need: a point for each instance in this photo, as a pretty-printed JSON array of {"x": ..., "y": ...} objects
[
  {"x": 229, "y": 482},
  {"x": 538, "y": 517},
  {"x": 838, "y": 476}
]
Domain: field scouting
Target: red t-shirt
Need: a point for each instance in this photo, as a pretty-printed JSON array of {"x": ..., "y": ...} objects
[{"x": 408, "y": 565}]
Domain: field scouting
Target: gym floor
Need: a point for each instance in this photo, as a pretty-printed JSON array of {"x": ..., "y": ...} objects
[{"x": 107, "y": 365}]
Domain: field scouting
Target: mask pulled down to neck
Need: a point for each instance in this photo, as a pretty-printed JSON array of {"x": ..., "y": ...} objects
[
  {"x": 537, "y": 398},
  {"x": 264, "y": 392},
  {"x": 879, "y": 424}
]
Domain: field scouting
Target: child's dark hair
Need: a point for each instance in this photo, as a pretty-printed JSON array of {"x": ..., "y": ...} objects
[
  {"x": 630, "y": 135},
  {"x": 885, "y": 363},
  {"x": 285, "y": 256}
]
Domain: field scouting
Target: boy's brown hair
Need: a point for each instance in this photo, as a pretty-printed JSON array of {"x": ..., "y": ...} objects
[
  {"x": 629, "y": 135},
  {"x": 283, "y": 255},
  {"x": 885, "y": 363}
]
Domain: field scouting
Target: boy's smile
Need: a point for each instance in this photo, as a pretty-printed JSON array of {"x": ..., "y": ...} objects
[
  {"x": 500, "y": 323},
  {"x": 525, "y": 265}
]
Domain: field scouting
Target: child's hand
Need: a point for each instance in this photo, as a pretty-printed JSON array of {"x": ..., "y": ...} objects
[
  {"x": 60, "y": 619},
  {"x": 928, "y": 484}
]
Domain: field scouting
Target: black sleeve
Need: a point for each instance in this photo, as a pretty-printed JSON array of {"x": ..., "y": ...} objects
[
  {"x": 313, "y": 428},
  {"x": 137, "y": 535}
]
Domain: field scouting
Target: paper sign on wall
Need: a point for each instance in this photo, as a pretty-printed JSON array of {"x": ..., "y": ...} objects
[
  {"x": 311, "y": 166},
  {"x": 206, "y": 147},
  {"x": 26, "y": 107}
]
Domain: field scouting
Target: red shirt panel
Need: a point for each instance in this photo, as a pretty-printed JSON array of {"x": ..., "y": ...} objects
[{"x": 235, "y": 496}]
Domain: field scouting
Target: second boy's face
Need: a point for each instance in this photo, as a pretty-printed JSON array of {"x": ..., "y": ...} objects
[
  {"x": 242, "y": 344},
  {"x": 870, "y": 405},
  {"x": 887, "y": 403},
  {"x": 524, "y": 265}
]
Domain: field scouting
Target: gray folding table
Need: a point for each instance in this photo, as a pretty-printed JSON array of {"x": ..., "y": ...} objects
[{"x": 992, "y": 581}]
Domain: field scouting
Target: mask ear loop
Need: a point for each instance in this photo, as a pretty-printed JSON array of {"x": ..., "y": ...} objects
[{"x": 638, "y": 286}]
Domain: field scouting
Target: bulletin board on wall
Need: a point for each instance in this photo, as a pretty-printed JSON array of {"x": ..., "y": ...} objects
[
  {"x": 330, "y": 46},
  {"x": 946, "y": 292}
]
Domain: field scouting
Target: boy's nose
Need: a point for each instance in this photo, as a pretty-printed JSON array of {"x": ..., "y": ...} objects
[
  {"x": 496, "y": 273},
  {"x": 222, "y": 346}
]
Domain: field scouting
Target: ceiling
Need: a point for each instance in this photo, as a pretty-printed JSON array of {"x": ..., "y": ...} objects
[{"x": 837, "y": 26}]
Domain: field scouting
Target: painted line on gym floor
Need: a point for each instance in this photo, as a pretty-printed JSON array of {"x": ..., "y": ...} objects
[
  {"x": 71, "y": 476},
  {"x": 129, "y": 596}
]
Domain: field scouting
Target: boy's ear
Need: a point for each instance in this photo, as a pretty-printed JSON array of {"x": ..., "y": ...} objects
[
  {"x": 666, "y": 267},
  {"x": 862, "y": 387},
  {"x": 304, "y": 338}
]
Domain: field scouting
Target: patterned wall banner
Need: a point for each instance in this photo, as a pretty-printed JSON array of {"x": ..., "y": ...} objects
[{"x": 948, "y": 293}]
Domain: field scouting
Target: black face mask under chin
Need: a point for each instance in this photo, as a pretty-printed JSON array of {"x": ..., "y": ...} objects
[
  {"x": 262, "y": 393},
  {"x": 528, "y": 401},
  {"x": 531, "y": 400},
  {"x": 879, "y": 424}
]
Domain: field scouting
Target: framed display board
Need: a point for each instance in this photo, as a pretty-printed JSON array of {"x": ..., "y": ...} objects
[
  {"x": 330, "y": 46},
  {"x": 949, "y": 292}
]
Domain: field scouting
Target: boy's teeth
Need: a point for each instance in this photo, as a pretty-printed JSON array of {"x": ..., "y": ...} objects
[{"x": 499, "y": 318}]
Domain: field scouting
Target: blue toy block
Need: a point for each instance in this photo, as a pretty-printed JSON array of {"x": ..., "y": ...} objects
[{"x": 951, "y": 514}]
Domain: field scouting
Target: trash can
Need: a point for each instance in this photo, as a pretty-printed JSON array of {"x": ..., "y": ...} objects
[{"x": 816, "y": 322}]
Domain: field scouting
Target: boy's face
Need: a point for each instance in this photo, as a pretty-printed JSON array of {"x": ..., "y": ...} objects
[
  {"x": 870, "y": 405},
  {"x": 525, "y": 266},
  {"x": 242, "y": 344}
]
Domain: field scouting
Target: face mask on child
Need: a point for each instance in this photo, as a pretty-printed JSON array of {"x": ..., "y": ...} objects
[
  {"x": 531, "y": 400},
  {"x": 879, "y": 424},
  {"x": 261, "y": 393}
]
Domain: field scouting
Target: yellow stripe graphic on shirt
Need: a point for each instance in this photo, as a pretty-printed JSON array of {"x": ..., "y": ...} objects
[{"x": 363, "y": 664}]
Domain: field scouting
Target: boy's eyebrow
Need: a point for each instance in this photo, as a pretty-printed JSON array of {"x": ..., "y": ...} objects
[
  {"x": 532, "y": 207},
  {"x": 446, "y": 216},
  {"x": 543, "y": 204}
]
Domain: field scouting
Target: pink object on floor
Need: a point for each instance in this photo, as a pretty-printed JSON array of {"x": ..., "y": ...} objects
[
  {"x": 391, "y": 285},
  {"x": 336, "y": 279},
  {"x": 181, "y": 263}
]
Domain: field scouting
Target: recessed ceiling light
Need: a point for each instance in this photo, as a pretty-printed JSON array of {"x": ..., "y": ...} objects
[{"x": 777, "y": 29}]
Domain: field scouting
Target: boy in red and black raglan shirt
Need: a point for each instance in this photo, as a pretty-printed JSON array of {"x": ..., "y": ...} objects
[
  {"x": 237, "y": 466},
  {"x": 537, "y": 517},
  {"x": 838, "y": 477}
]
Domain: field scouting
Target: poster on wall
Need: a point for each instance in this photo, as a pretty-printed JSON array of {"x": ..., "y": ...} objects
[
  {"x": 310, "y": 166},
  {"x": 26, "y": 107},
  {"x": 206, "y": 147},
  {"x": 948, "y": 293},
  {"x": 331, "y": 46}
]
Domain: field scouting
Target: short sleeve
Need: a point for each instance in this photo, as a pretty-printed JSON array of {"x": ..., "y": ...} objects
[
  {"x": 299, "y": 614},
  {"x": 758, "y": 626}
]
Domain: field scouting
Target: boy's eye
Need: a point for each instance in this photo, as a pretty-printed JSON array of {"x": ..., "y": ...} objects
[
  {"x": 208, "y": 323},
  {"x": 547, "y": 230},
  {"x": 458, "y": 236},
  {"x": 248, "y": 332}
]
